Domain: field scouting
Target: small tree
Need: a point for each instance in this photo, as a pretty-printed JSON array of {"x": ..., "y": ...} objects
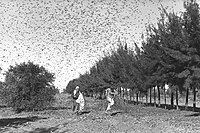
[{"x": 28, "y": 87}]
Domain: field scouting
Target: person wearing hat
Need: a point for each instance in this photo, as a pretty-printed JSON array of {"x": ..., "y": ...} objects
[{"x": 79, "y": 103}]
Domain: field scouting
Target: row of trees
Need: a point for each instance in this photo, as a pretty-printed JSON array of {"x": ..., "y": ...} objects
[{"x": 169, "y": 55}]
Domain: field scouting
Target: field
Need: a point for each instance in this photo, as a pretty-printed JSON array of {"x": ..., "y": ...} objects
[{"x": 135, "y": 119}]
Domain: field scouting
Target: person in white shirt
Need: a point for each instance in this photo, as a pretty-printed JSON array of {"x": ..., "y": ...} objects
[
  {"x": 110, "y": 98},
  {"x": 79, "y": 100}
]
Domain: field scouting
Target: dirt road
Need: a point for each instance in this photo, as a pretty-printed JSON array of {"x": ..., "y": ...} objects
[{"x": 138, "y": 119}]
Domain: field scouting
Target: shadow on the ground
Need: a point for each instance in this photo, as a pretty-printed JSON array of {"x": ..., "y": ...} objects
[
  {"x": 49, "y": 130},
  {"x": 193, "y": 115},
  {"x": 170, "y": 107},
  {"x": 115, "y": 113},
  {"x": 59, "y": 108},
  {"x": 84, "y": 112},
  {"x": 18, "y": 121},
  {"x": 189, "y": 108},
  {"x": 3, "y": 106}
]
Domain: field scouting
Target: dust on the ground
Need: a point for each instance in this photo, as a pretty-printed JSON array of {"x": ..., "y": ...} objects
[{"x": 136, "y": 119}]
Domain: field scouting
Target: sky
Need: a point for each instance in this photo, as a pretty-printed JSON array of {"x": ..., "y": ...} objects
[{"x": 67, "y": 37}]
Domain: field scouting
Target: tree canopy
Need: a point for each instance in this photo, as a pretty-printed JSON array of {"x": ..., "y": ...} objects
[
  {"x": 169, "y": 55},
  {"x": 28, "y": 87}
]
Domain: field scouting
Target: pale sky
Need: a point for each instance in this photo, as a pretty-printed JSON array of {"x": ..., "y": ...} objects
[{"x": 68, "y": 36}]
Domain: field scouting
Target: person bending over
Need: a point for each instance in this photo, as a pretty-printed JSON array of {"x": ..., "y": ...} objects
[
  {"x": 79, "y": 101},
  {"x": 110, "y": 98}
]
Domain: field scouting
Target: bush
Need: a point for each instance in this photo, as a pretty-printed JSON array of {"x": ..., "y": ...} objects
[{"x": 28, "y": 87}]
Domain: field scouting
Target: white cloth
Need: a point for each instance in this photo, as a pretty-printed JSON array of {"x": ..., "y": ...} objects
[
  {"x": 110, "y": 103},
  {"x": 75, "y": 91},
  {"x": 81, "y": 101},
  {"x": 110, "y": 98}
]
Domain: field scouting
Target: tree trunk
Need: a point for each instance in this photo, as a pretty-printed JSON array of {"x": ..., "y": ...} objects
[
  {"x": 127, "y": 97},
  {"x": 165, "y": 99},
  {"x": 100, "y": 94},
  {"x": 194, "y": 98},
  {"x": 150, "y": 95},
  {"x": 154, "y": 95},
  {"x": 91, "y": 94},
  {"x": 104, "y": 94},
  {"x": 123, "y": 94},
  {"x": 186, "y": 99},
  {"x": 177, "y": 107},
  {"x": 146, "y": 98},
  {"x": 172, "y": 98},
  {"x": 119, "y": 91},
  {"x": 158, "y": 96},
  {"x": 137, "y": 96}
]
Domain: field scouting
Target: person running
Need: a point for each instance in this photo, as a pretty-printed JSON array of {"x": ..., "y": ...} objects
[
  {"x": 79, "y": 103},
  {"x": 110, "y": 98}
]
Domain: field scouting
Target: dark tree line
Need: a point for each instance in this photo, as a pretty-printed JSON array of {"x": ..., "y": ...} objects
[{"x": 169, "y": 55}]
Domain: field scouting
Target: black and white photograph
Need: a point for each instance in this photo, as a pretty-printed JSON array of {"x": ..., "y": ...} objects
[{"x": 99, "y": 66}]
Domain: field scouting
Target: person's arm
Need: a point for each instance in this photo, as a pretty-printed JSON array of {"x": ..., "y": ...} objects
[{"x": 114, "y": 93}]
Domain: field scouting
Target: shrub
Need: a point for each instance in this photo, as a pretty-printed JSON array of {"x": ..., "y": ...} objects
[{"x": 28, "y": 87}]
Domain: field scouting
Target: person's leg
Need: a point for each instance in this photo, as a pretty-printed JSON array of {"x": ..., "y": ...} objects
[
  {"x": 109, "y": 103},
  {"x": 73, "y": 105},
  {"x": 108, "y": 107},
  {"x": 77, "y": 106},
  {"x": 112, "y": 101}
]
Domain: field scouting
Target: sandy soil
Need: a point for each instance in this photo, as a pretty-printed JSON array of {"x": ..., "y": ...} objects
[{"x": 136, "y": 119}]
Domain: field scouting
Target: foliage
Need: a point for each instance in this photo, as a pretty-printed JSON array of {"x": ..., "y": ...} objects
[
  {"x": 115, "y": 70},
  {"x": 28, "y": 87},
  {"x": 169, "y": 55},
  {"x": 71, "y": 86}
]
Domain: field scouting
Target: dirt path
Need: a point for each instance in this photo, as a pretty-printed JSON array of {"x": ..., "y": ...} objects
[{"x": 138, "y": 119}]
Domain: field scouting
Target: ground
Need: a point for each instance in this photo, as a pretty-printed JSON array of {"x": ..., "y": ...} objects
[{"x": 136, "y": 119}]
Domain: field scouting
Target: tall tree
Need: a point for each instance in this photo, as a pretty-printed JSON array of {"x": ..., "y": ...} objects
[{"x": 29, "y": 87}]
